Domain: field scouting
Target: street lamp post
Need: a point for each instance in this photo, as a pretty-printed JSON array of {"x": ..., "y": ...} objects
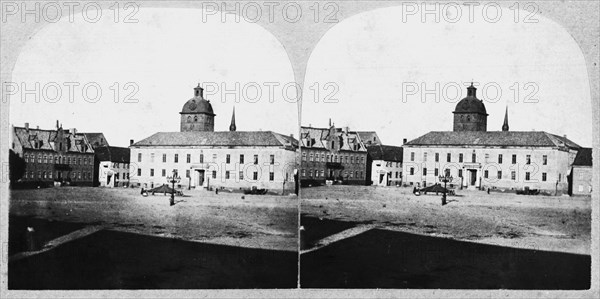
[
  {"x": 173, "y": 179},
  {"x": 445, "y": 178}
]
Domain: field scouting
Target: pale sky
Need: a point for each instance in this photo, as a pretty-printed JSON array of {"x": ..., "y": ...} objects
[
  {"x": 371, "y": 55},
  {"x": 368, "y": 57},
  {"x": 166, "y": 54}
]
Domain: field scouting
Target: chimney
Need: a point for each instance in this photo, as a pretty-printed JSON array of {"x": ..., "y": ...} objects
[
  {"x": 37, "y": 127},
  {"x": 404, "y": 141},
  {"x": 27, "y": 127},
  {"x": 57, "y": 124},
  {"x": 330, "y": 122},
  {"x": 130, "y": 141},
  {"x": 291, "y": 135},
  {"x": 565, "y": 136},
  {"x": 73, "y": 131}
]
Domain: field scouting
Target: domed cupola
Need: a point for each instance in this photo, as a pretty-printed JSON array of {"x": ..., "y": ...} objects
[
  {"x": 470, "y": 113},
  {"x": 197, "y": 113}
]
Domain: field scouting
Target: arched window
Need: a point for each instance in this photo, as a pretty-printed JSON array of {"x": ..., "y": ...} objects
[
  {"x": 468, "y": 118},
  {"x": 189, "y": 118},
  {"x": 195, "y": 118}
]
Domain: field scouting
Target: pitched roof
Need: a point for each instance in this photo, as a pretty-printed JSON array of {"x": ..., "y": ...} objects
[
  {"x": 224, "y": 138},
  {"x": 112, "y": 154},
  {"x": 494, "y": 138},
  {"x": 385, "y": 152},
  {"x": 96, "y": 139},
  {"x": 369, "y": 137},
  {"x": 584, "y": 157},
  {"x": 322, "y": 135},
  {"x": 46, "y": 140}
]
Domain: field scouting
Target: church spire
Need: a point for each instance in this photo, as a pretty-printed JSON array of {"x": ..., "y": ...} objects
[
  {"x": 505, "y": 125},
  {"x": 232, "y": 126}
]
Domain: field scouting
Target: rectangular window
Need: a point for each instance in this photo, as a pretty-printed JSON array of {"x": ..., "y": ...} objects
[
  {"x": 227, "y": 174},
  {"x": 436, "y": 172},
  {"x": 460, "y": 173},
  {"x": 499, "y": 174},
  {"x": 437, "y": 157},
  {"x": 139, "y": 172},
  {"x": 473, "y": 158},
  {"x": 460, "y": 158},
  {"x": 514, "y": 159},
  {"x": 228, "y": 159},
  {"x": 485, "y": 174},
  {"x": 241, "y": 159},
  {"x": 304, "y": 172},
  {"x": 187, "y": 173},
  {"x": 304, "y": 156},
  {"x": 188, "y": 158},
  {"x": 214, "y": 174},
  {"x": 500, "y": 159},
  {"x": 241, "y": 175},
  {"x": 425, "y": 157},
  {"x": 201, "y": 158},
  {"x": 49, "y": 174},
  {"x": 544, "y": 160},
  {"x": 272, "y": 175},
  {"x": 528, "y": 159},
  {"x": 448, "y": 157},
  {"x": 79, "y": 175},
  {"x": 543, "y": 176},
  {"x": 45, "y": 159},
  {"x": 176, "y": 158},
  {"x": 425, "y": 171},
  {"x": 272, "y": 159},
  {"x": 164, "y": 158},
  {"x": 527, "y": 176},
  {"x": 352, "y": 159},
  {"x": 255, "y": 159},
  {"x": 164, "y": 172},
  {"x": 513, "y": 175},
  {"x": 139, "y": 157},
  {"x": 151, "y": 171},
  {"x": 152, "y": 157},
  {"x": 255, "y": 176},
  {"x": 412, "y": 156},
  {"x": 214, "y": 157},
  {"x": 412, "y": 171}
]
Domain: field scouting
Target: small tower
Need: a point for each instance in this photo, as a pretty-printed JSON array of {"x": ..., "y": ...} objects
[
  {"x": 505, "y": 125},
  {"x": 470, "y": 113},
  {"x": 197, "y": 113},
  {"x": 232, "y": 127}
]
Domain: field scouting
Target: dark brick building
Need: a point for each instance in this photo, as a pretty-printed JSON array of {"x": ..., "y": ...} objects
[{"x": 54, "y": 156}]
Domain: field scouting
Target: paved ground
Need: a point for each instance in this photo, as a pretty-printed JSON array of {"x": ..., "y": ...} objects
[{"x": 378, "y": 237}]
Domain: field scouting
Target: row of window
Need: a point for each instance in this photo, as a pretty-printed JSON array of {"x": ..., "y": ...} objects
[
  {"x": 486, "y": 174},
  {"x": 56, "y": 174},
  {"x": 392, "y": 164},
  {"x": 315, "y": 157},
  {"x": 188, "y": 158},
  {"x": 321, "y": 173},
  {"x": 31, "y": 158},
  {"x": 118, "y": 165},
  {"x": 228, "y": 174},
  {"x": 474, "y": 158}
]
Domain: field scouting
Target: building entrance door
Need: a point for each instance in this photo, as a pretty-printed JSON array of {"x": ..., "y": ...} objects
[
  {"x": 473, "y": 177},
  {"x": 200, "y": 181}
]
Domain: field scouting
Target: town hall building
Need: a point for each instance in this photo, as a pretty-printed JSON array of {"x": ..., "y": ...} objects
[
  {"x": 209, "y": 159},
  {"x": 480, "y": 159}
]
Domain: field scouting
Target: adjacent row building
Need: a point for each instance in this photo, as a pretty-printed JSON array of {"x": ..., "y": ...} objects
[
  {"x": 58, "y": 155},
  {"x": 332, "y": 154}
]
